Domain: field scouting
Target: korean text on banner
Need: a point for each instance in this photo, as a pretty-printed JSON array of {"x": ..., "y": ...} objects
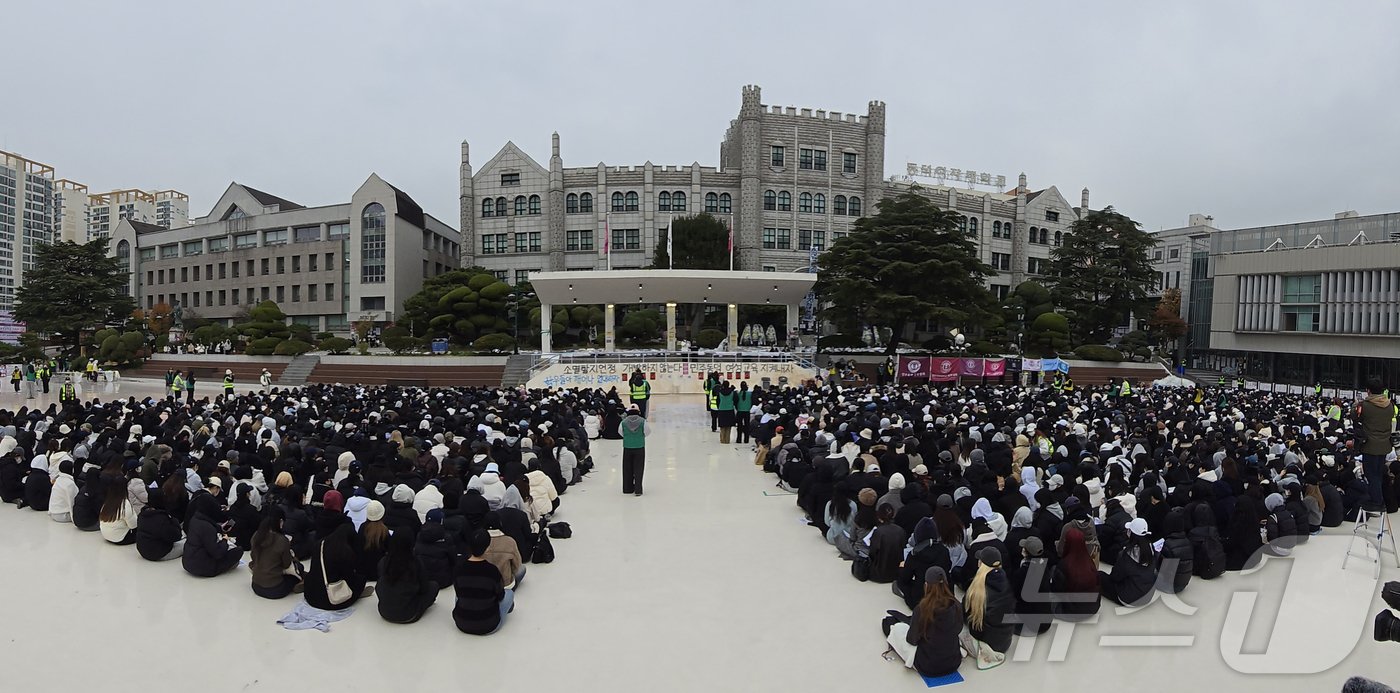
[
  {"x": 913, "y": 368},
  {"x": 1032, "y": 365},
  {"x": 943, "y": 369},
  {"x": 1049, "y": 365}
]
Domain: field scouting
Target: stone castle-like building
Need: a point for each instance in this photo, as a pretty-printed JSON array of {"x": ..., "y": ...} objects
[{"x": 791, "y": 181}]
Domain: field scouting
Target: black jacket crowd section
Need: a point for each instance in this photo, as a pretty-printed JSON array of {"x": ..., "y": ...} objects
[
  {"x": 1163, "y": 485},
  {"x": 364, "y": 483}
]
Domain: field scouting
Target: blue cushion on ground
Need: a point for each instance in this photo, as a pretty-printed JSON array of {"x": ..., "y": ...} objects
[{"x": 932, "y": 681}]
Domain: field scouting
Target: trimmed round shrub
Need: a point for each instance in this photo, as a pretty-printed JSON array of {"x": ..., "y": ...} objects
[
  {"x": 292, "y": 347},
  {"x": 1096, "y": 352},
  {"x": 494, "y": 342},
  {"x": 336, "y": 345},
  {"x": 709, "y": 339},
  {"x": 984, "y": 348},
  {"x": 264, "y": 346}
]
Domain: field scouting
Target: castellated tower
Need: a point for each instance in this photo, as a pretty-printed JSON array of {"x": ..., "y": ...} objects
[
  {"x": 749, "y": 223},
  {"x": 556, "y": 207},
  {"x": 467, "y": 209}
]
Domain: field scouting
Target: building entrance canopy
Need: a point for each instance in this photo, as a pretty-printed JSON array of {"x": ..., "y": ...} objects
[{"x": 730, "y": 289}]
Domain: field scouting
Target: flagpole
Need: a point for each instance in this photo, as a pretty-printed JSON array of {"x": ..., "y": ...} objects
[
  {"x": 731, "y": 241},
  {"x": 670, "y": 248},
  {"x": 607, "y": 238}
]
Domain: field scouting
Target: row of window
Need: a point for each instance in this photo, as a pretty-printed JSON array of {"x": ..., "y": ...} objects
[
  {"x": 521, "y": 275},
  {"x": 1034, "y": 265},
  {"x": 1041, "y": 236},
  {"x": 251, "y": 295},
  {"x": 523, "y": 205},
  {"x": 234, "y": 270},
  {"x": 810, "y": 159},
  {"x": 807, "y": 239},
  {"x": 525, "y": 242},
  {"x": 270, "y": 237},
  {"x": 781, "y": 201}
]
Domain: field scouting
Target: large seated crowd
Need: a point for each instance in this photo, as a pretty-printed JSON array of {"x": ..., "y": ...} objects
[
  {"x": 320, "y": 490},
  {"x": 993, "y": 511}
]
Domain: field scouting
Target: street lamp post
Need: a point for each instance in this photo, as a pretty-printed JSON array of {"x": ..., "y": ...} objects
[{"x": 513, "y": 300}]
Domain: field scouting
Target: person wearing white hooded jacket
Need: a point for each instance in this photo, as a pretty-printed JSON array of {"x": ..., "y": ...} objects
[
  {"x": 982, "y": 510},
  {"x": 62, "y": 494},
  {"x": 429, "y": 498},
  {"x": 1029, "y": 485},
  {"x": 592, "y": 425},
  {"x": 542, "y": 493},
  {"x": 342, "y": 467},
  {"x": 490, "y": 485},
  {"x": 357, "y": 509}
]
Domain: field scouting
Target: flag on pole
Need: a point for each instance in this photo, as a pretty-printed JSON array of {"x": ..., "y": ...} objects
[
  {"x": 607, "y": 238},
  {"x": 730, "y": 224},
  {"x": 670, "y": 254}
]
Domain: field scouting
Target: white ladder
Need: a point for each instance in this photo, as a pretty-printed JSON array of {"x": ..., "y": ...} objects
[{"x": 1375, "y": 538}]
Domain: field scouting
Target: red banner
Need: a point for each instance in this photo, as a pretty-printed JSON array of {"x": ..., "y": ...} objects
[
  {"x": 995, "y": 368},
  {"x": 913, "y": 368},
  {"x": 971, "y": 368},
  {"x": 943, "y": 369}
]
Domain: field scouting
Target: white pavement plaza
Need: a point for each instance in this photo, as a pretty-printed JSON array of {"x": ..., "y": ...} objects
[{"x": 708, "y": 582}]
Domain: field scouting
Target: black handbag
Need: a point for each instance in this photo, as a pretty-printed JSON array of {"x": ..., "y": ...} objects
[
  {"x": 560, "y": 530},
  {"x": 544, "y": 551},
  {"x": 860, "y": 568}
]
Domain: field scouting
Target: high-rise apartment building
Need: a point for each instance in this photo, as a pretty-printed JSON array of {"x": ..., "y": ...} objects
[
  {"x": 26, "y": 219},
  {"x": 164, "y": 208}
]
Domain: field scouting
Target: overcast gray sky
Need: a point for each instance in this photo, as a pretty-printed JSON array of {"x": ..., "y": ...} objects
[{"x": 1257, "y": 112}]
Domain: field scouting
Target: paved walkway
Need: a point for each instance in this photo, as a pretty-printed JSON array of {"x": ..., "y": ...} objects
[{"x": 706, "y": 583}]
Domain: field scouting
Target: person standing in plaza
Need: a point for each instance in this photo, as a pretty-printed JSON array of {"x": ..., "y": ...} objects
[
  {"x": 639, "y": 390},
  {"x": 724, "y": 404},
  {"x": 45, "y": 374},
  {"x": 743, "y": 402},
  {"x": 265, "y": 380},
  {"x": 1375, "y": 416},
  {"x": 634, "y": 450},
  {"x": 711, "y": 384},
  {"x": 31, "y": 381},
  {"x": 189, "y": 386},
  {"x": 17, "y": 375},
  {"x": 177, "y": 386},
  {"x": 228, "y": 384}
]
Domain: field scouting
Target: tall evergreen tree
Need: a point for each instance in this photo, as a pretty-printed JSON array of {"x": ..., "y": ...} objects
[
  {"x": 1101, "y": 272},
  {"x": 73, "y": 287},
  {"x": 906, "y": 264}
]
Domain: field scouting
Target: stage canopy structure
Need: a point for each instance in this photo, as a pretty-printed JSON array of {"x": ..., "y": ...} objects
[{"x": 671, "y": 287}]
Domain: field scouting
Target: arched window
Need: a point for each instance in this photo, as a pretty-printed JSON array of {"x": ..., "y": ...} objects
[
  {"x": 585, "y": 202},
  {"x": 1035, "y": 234},
  {"x": 855, "y": 206},
  {"x": 770, "y": 200},
  {"x": 996, "y": 229},
  {"x": 725, "y": 206},
  {"x": 488, "y": 207},
  {"x": 1057, "y": 239},
  {"x": 784, "y": 201},
  {"x": 534, "y": 204},
  {"x": 372, "y": 244},
  {"x": 711, "y": 202},
  {"x": 663, "y": 202},
  {"x": 678, "y": 201},
  {"x": 631, "y": 202},
  {"x": 1045, "y": 236},
  {"x": 124, "y": 255},
  {"x": 617, "y": 202},
  {"x": 500, "y": 206},
  {"x": 838, "y": 205},
  {"x": 819, "y": 203},
  {"x": 804, "y": 202},
  {"x": 520, "y": 205},
  {"x": 571, "y": 203},
  {"x": 972, "y": 226},
  {"x": 962, "y": 224}
]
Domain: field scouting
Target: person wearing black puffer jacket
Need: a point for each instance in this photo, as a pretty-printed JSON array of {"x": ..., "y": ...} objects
[
  {"x": 158, "y": 533},
  {"x": 1113, "y": 533},
  {"x": 1178, "y": 557},
  {"x": 1279, "y": 526},
  {"x": 88, "y": 503},
  {"x": 1207, "y": 549},
  {"x": 1134, "y": 575},
  {"x": 37, "y": 486},
  {"x": 925, "y": 551},
  {"x": 207, "y": 552},
  {"x": 1334, "y": 510},
  {"x": 438, "y": 555},
  {"x": 989, "y": 605}
]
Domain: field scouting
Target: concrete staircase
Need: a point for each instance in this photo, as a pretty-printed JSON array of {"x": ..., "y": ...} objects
[
  {"x": 298, "y": 370},
  {"x": 518, "y": 369}
]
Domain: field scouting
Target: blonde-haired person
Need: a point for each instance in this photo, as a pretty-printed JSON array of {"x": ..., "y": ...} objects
[
  {"x": 928, "y": 640},
  {"x": 988, "y": 602}
]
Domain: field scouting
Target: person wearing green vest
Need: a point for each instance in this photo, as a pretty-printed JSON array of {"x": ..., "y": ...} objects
[
  {"x": 45, "y": 374},
  {"x": 17, "y": 375},
  {"x": 1126, "y": 389},
  {"x": 1221, "y": 381},
  {"x": 1317, "y": 390},
  {"x": 68, "y": 394},
  {"x": 634, "y": 450},
  {"x": 1239, "y": 382},
  {"x": 711, "y": 382},
  {"x": 228, "y": 384},
  {"x": 177, "y": 386},
  {"x": 724, "y": 404},
  {"x": 1067, "y": 385},
  {"x": 640, "y": 391},
  {"x": 1334, "y": 412},
  {"x": 743, "y": 402}
]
